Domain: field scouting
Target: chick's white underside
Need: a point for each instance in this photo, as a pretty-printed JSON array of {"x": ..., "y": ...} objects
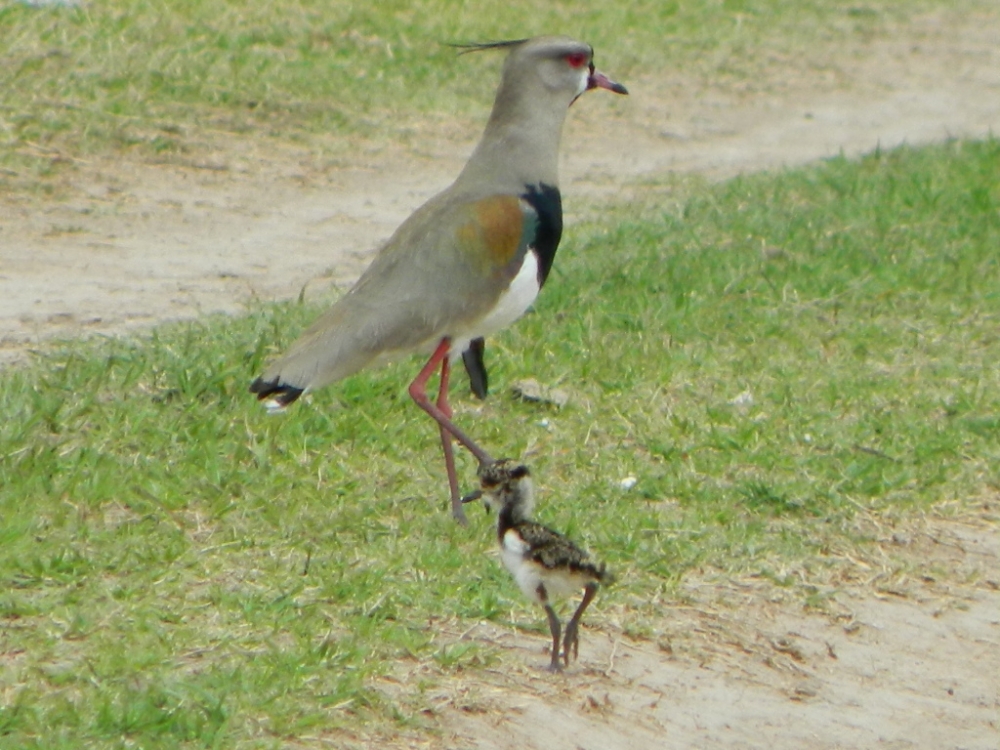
[{"x": 559, "y": 583}]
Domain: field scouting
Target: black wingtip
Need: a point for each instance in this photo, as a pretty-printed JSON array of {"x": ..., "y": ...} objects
[{"x": 279, "y": 393}]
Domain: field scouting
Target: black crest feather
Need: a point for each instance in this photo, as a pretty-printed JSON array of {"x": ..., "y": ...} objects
[{"x": 480, "y": 46}]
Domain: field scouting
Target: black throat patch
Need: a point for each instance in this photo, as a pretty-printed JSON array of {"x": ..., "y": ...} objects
[{"x": 547, "y": 202}]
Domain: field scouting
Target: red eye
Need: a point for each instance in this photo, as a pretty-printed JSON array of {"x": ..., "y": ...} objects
[{"x": 576, "y": 59}]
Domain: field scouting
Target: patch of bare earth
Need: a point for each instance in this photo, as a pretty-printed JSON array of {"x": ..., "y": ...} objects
[
  {"x": 905, "y": 655},
  {"x": 136, "y": 243},
  {"x": 894, "y": 660}
]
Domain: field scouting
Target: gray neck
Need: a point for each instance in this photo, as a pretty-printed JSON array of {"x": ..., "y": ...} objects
[{"x": 520, "y": 145}]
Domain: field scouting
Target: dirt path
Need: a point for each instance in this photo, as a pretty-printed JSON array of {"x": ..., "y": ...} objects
[
  {"x": 912, "y": 665},
  {"x": 140, "y": 243}
]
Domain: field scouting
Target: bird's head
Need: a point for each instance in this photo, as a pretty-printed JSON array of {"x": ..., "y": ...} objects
[
  {"x": 505, "y": 484},
  {"x": 564, "y": 66}
]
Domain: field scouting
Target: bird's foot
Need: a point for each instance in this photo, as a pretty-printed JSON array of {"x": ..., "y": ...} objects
[
  {"x": 459, "y": 515},
  {"x": 571, "y": 641}
]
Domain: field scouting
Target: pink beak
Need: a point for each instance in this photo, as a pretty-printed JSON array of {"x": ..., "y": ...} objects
[{"x": 598, "y": 80}]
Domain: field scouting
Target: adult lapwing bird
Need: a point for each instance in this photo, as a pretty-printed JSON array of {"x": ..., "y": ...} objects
[
  {"x": 468, "y": 262},
  {"x": 545, "y": 564}
]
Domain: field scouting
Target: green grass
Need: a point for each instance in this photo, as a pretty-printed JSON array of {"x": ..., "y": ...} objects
[
  {"x": 180, "y": 570},
  {"x": 174, "y": 80}
]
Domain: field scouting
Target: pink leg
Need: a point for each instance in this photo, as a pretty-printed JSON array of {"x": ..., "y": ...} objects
[
  {"x": 441, "y": 413},
  {"x": 457, "y": 511}
]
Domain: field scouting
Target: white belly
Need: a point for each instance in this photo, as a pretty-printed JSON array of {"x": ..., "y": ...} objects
[
  {"x": 512, "y": 305},
  {"x": 559, "y": 584}
]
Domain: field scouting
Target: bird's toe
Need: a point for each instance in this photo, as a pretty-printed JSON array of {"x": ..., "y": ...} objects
[
  {"x": 459, "y": 515},
  {"x": 571, "y": 643}
]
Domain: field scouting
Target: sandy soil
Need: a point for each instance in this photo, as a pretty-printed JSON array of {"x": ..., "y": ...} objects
[
  {"x": 893, "y": 661},
  {"x": 908, "y": 663},
  {"x": 137, "y": 243}
]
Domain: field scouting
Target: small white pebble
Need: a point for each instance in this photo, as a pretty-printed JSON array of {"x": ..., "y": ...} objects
[
  {"x": 544, "y": 423},
  {"x": 744, "y": 399},
  {"x": 807, "y": 438},
  {"x": 628, "y": 483}
]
